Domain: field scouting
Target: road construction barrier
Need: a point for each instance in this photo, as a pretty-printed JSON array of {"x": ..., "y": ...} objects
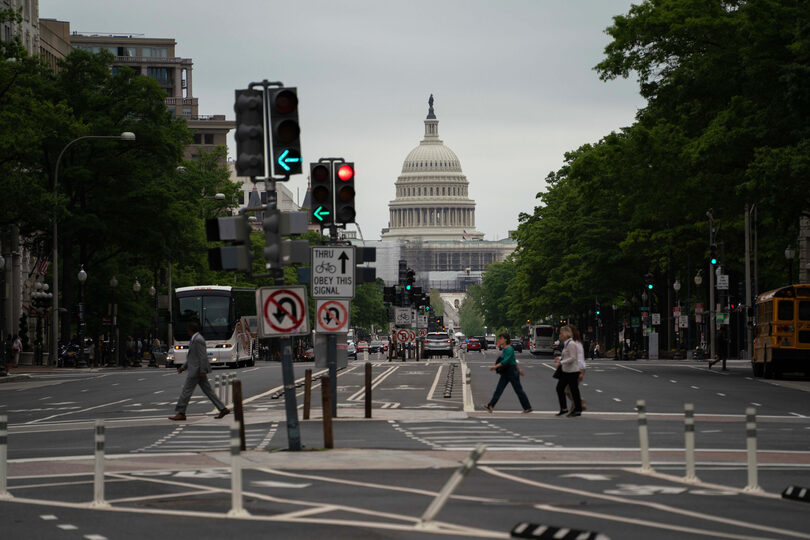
[
  {"x": 643, "y": 437},
  {"x": 98, "y": 476},
  {"x": 237, "y": 510},
  {"x": 751, "y": 445},
  {"x": 441, "y": 498},
  {"x": 796, "y": 493},
  {"x": 689, "y": 442},
  {"x": 537, "y": 530},
  {"x": 4, "y": 494}
]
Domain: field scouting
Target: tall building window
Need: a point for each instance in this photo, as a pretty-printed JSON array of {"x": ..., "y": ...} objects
[
  {"x": 159, "y": 74},
  {"x": 156, "y": 52},
  {"x": 209, "y": 138},
  {"x": 197, "y": 138}
]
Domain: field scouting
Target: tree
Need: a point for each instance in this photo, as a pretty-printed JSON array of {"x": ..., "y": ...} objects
[
  {"x": 470, "y": 320},
  {"x": 367, "y": 306}
]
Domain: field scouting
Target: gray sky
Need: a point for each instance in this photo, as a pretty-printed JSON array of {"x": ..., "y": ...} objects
[{"x": 513, "y": 81}]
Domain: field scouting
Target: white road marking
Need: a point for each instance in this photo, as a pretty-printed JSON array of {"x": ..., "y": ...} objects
[
  {"x": 277, "y": 484},
  {"x": 695, "y": 387},
  {"x": 599, "y": 391},
  {"x": 797, "y": 414},
  {"x": 67, "y": 527},
  {"x": 46, "y": 397},
  {"x": 617, "y": 400},
  {"x": 755, "y": 404},
  {"x": 95, "y": 537},
  {"x": 673, "y": 381},
  {"x": 711, "y": 431},
  {"x": 587, "y": 476},
  {"x": 79, "y": 411},
  {"x": 629, "y": 368},
  {"x": 721, "y": 394},
  {"x": 158, "y": 392},
  {"x": 48, "y": 517}
]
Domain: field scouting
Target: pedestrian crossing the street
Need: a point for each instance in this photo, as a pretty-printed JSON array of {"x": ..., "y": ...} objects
[
  {"x": 466, "y": 434},
  {"x": 193, "y": 438}
]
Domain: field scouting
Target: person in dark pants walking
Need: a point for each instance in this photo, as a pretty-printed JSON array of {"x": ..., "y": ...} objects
[
  {"x": 510, "y": 373},
  {"x": 198, "y": 367},
  {"x": 569, "y": 374}
]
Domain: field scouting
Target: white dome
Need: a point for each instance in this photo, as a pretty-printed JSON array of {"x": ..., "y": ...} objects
[{"x": 431, "y": 157}]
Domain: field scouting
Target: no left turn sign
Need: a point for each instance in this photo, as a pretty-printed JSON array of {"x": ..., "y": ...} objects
[
  {"x": 404, "y": 335},
  {"x": 332, "y": 315},
  {"x": 282, "y": 311}
]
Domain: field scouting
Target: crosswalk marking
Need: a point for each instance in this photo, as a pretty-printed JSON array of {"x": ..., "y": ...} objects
[{"x": 463, "y": 434}]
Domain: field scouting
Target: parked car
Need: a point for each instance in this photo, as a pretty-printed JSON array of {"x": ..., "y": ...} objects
[
  {"x": 483, "y": 341},
  {"x": 438, "y": 344},
  {"x": 362, "y": 346},
  {"x": 351, "y": 350},
  {"x": 473, "y": 344},
  {"x": 376, "y": 347},
  {"x": 517, "y": 345}
]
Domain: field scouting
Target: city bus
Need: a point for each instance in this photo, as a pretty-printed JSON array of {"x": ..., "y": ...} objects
[
  {"x": 541, "y": 339},
  {"x": 782, "y": 340},
  {"x": 227, "y": 318}
]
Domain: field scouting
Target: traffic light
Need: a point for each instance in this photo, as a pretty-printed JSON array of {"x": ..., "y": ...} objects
[
  {"x": 410, "y": 277},
  {"x": 598, "y": 311},
  {"x": 320, "y": 176},
  {"x": 285, "y": 131},
  {"x": 403, "y": 271},
  {"x": 713, "y": 255},
  {"x": 272, "y": 237},
  {"x": 648, "y": 280},
  {"x": 249, "y": 135},
  {"x": 238, "y": 256},
  {"x": 389, "y": 295},
  {"x": 344, "y": 193}
]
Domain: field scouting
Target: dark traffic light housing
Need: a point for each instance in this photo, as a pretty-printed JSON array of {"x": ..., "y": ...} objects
[
  {"x": 249, "y": 134},
  {"x": 344, "y": 192},
  {"x": 285, "y": 131},
  {"x": 236, "y": 257},
  {"x": 320, "y": 177},
  {"x": 713, "y": 254}
]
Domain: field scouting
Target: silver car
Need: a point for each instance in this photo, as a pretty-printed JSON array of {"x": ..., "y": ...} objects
[{"x": 438, "y": 344}]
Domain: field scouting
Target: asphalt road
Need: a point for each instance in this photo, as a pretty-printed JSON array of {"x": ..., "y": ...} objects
[{"x": 580, "y": 473}]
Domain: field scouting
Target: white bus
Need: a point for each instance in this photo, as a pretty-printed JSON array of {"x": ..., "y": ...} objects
[
  {"x": 227, "y": 318},
  {"x": 541, "y": 339}
]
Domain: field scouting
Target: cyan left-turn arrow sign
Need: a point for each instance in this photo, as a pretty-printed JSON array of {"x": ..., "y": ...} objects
[
  {"x": 285, "y": 158},
  {"x": 320, "y": 214}
]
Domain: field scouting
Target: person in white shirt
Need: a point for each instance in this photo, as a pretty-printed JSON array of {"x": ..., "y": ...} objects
[
  {"x": 569, "y": 373},
  {"x": 581, "y": 362}
]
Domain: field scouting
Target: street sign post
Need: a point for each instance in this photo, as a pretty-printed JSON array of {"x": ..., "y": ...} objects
[
  {"x": 282, "y": 311},
  {"x": 332, "y": 316},
  {"x": 333, "y": 271}
]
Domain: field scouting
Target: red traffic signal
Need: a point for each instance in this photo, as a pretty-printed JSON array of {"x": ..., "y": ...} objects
[
  {"x": 345, "y": 172},
  {"x": 344, "y": 193}
]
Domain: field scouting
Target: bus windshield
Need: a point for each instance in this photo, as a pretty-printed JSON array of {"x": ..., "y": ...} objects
[{"x": 212, "y": 312}]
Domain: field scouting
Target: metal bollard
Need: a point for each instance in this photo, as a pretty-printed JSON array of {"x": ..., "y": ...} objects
[
  {"x": 307, "y": 392},
  {"x": 4, "y": 494},
  {"x": 98, "y": 477},
  {"x": 368, "y": 390},
  {"x": 217, "y": 390},
  {"x": 326, "y": 404},
  {"x": 239, "y": 412},
  {"x": 438, "y": 503},
  {"x": 236, "y": 473},
  {"x": 689, "y": 441},
  {"x": 751, "y": 444},
  {"x": 229, "y": 387},
  {"x": 643, "y": 438}
]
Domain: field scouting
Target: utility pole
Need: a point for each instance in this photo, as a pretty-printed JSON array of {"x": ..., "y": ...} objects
[
  {"x": 749, "y": 330},
  {"x": 712, "y": 322}
]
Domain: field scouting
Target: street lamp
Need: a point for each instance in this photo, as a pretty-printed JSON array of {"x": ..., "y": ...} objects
[
  {"x": 790, "y": 253},
  {"x": 125, "y": 136},
  {"x": 82, "y": 363},
  {"x": 114, "y": 331}
]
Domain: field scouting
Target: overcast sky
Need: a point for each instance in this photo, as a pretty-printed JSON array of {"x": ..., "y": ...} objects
[{"x": 513, "y": 81}]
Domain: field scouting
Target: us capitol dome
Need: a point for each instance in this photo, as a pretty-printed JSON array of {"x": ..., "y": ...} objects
[{"x": 432, "y": 201}]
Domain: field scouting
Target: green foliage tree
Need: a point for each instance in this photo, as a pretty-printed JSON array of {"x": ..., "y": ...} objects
[
  {"x": 470, "y": 320},
  {"x": 368, "y": 308},
  {"x": 436, "y": 303}
]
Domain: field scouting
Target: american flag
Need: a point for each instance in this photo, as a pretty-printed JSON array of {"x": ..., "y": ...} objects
[{"x": 466, "y": 235}]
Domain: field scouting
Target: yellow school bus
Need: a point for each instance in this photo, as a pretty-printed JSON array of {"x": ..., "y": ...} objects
[{"x": 782, "y": 340}]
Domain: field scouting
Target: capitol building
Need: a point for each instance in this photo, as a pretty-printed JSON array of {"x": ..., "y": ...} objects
[{"x": 432, "y": 221}]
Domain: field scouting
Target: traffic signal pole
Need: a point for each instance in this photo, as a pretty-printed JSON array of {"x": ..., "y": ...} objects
[{"x": 712, "y": 316}]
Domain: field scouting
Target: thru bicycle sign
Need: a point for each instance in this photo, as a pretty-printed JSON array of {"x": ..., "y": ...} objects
[{"x": 332, "y": 272}]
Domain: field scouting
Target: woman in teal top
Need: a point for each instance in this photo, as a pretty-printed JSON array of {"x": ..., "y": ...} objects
[{"x": 509, "y": 374}]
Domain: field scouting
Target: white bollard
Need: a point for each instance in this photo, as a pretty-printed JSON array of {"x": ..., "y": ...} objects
[
  {"x": 217, "y": 390},
  {"x": 751, "y": 443},
  {"x": 98, "y": 477},
  {"x": 643, "y": 438},
  {"x": 236, "y": 473},
  {"x": 229, "y": 395},
  {"x": 441, "y": 498},
  {"x": 689, "y": 436},
  {"x": 4, "y": 494}
]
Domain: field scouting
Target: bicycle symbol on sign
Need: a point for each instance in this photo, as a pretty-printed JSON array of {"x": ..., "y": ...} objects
[{"x": 325, "y": 267}]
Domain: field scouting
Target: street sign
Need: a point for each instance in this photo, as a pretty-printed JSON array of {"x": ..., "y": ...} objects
[
  {"x": 282, "y": 311},
  {"x": 403, "y": 335},
  {"x": 333, "y": 272},
  {"x": 656, "y": 319},
  {"x": 412, "y": 335},
  {"x": 698, "y": 309},
  {"x": 421, "y": 321},
  {"x": 332, "y": 316},
  {"x": 683, "y": 321},
  {"x": 722, "y": 282},
  {"x": 644, "y": 308},
  {"x": 402, "y": 316},
  {"x": 635, "y": 322},
  {"x": 422, "y": 332}
]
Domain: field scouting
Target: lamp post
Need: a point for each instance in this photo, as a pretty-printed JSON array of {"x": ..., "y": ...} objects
[
  {"x": 3, "y": 371},
  {"x": 41, "y": 297},
  {"x": 698, "y": 283},
  {"x": 677, "y": 288},
  {"x": 82, "y": 276},
  {"x": 790, "y": 253},
  {"x": 136, "y": 288},
  {"x": 125, "y": 136},
  {"x": 114, "y": 332},
  {"x": 616, "y": 332},
  {"x": 153, "y": 294}
]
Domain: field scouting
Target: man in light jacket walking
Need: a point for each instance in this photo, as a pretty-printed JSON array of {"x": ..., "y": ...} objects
[
  {"x": 198, "y": 367},
  {"x": 569, "y": 376}
]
